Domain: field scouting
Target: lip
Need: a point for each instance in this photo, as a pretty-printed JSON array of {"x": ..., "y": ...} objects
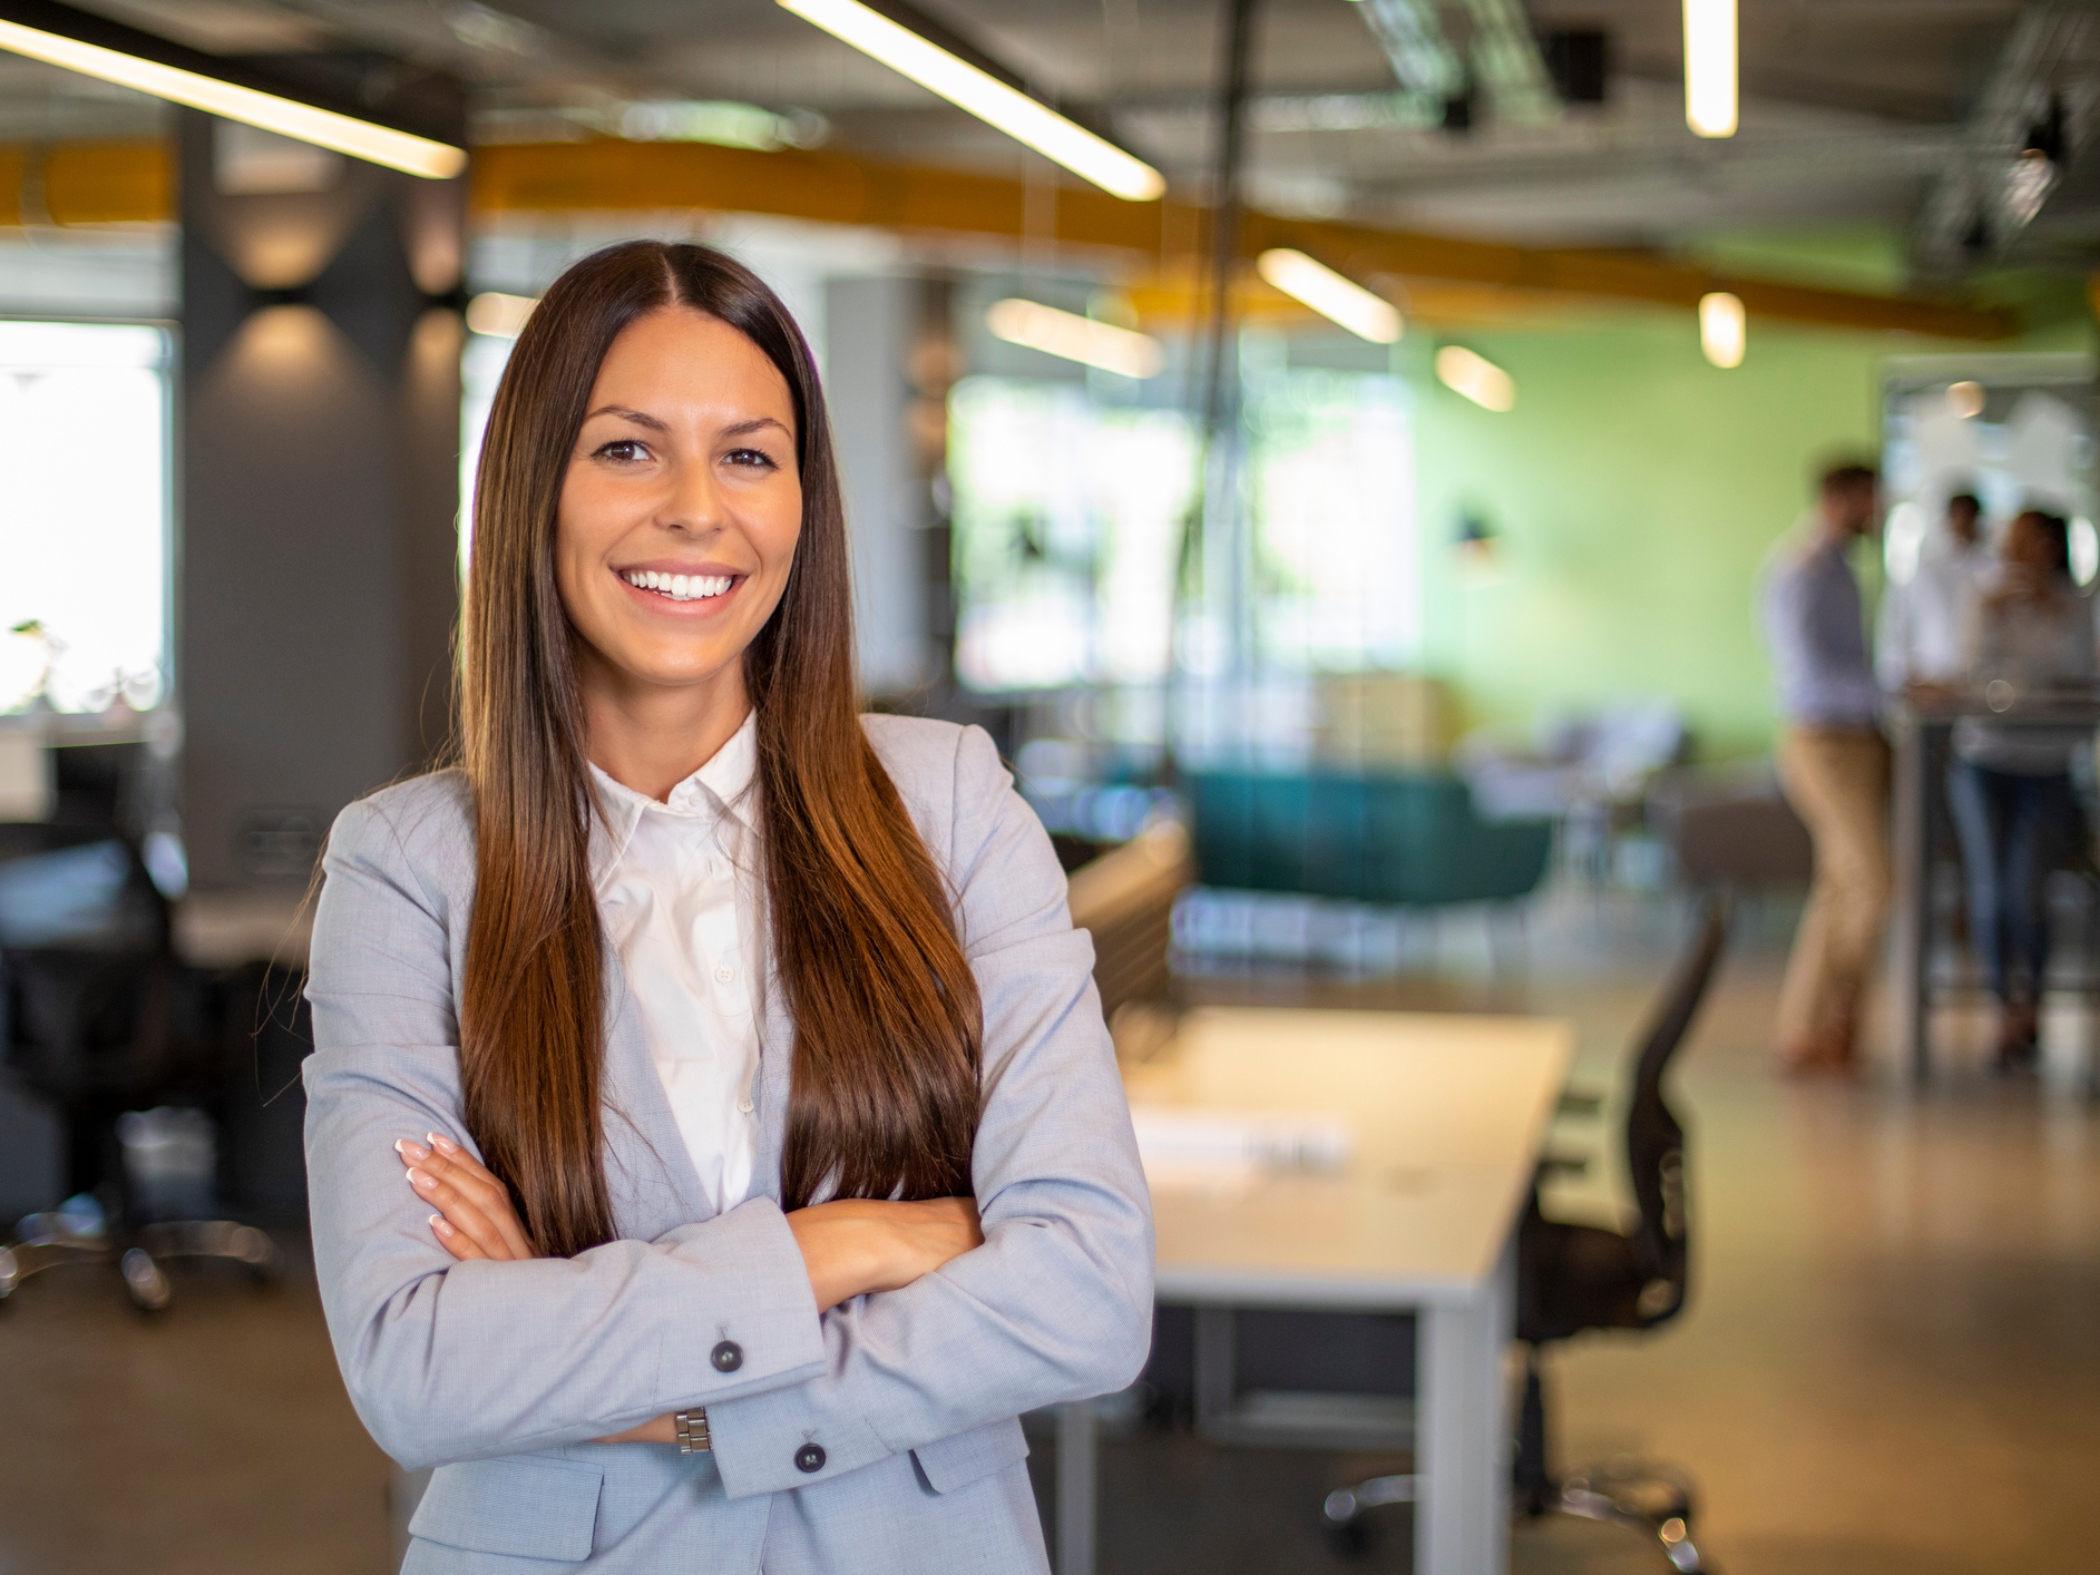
[{"x": 663, "y": 606}]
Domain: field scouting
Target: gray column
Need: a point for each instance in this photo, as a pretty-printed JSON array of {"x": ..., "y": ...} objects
[
  {"x": 889, "y": 361},
  {"x": 316, "y": 590}
]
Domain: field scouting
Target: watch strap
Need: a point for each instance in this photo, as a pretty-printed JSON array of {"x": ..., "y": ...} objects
[{"x": 691, "y": 1427}]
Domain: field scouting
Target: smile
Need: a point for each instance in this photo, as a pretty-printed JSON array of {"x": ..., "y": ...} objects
[{"x": 679, "y": 587}]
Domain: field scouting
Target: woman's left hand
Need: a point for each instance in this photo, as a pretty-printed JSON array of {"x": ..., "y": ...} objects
[{"x": 475, "y": 1217}]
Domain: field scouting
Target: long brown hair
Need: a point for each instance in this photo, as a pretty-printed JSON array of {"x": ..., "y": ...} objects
[{"x": 887, "y": 1020}]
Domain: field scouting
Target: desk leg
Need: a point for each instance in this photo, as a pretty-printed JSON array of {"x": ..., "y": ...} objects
[
  {"x": 1911, "y": 911},
  {"x": 1462, "y": 1454},
  {"x": 1077, "y": 1483}
]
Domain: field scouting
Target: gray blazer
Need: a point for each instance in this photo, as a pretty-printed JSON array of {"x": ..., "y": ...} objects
[{"x": 500, "y": 1374}]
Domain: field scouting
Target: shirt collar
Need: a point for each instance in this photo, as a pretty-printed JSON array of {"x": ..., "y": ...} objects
[{"x": 722, "y": 787}]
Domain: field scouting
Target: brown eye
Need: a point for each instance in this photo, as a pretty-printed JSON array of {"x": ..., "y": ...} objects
[
  {"x": 752, "y": 457},
  {"x": 621, "y": 451}
]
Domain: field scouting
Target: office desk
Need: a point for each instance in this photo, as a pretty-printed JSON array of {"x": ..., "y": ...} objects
[
  {"x": 1922, "y": 737},
  {"x": 1447, "y": 1115}
]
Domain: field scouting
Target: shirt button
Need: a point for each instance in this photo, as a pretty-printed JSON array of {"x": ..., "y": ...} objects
[
  {"x": 810, "y": 1458},
  {"x": 746, "y": 1106},
  {"x": 727, "y": 1357},
  {"x": 725, "y": 974}
]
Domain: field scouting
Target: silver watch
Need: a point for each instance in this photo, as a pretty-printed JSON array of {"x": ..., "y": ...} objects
[{"x": 692, "y": 1431}]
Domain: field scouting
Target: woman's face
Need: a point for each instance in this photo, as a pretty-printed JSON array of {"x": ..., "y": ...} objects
[{"x": 681, "y": 507}]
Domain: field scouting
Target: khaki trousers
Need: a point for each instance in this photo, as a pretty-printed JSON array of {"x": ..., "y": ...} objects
[{"x": 1838, "y": 783}]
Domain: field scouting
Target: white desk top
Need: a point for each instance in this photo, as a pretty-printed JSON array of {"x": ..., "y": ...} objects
[{"x": 1446, "y": 1116}]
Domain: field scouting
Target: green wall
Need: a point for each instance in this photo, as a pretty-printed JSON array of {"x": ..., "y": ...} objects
[{"x": 1634, "y": 491}]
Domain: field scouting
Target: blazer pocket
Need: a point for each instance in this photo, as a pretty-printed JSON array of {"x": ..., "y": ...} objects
[
  {"x": 523, "y": 1507},
  {"x": 963, "y": 1458}
]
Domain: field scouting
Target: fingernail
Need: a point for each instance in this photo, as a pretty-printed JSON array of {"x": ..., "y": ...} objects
[
  {"x": 443, "y": 1145},
  {"x": 439, "y": 1224},
  {"x": 414, "y": 1153},
  {"x": 421, "y": 1179}
]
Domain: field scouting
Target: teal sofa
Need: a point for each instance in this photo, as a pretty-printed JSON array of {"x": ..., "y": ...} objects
[{"x": 1410, "y": 840}]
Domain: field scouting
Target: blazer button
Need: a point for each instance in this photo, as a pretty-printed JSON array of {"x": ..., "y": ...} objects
[
  {"x": 727, "y": 1357},
  {"x": 810, "y": 1457}
]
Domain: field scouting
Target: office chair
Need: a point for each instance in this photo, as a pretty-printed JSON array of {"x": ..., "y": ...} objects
[
  {"x": 98, "y": 1017},
  {"x": 1572, "y": 1278}
]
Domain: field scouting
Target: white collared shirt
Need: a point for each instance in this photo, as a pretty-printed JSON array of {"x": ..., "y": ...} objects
[{"x": 677, "y": 889}]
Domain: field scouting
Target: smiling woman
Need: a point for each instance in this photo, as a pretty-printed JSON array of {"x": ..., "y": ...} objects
[{"x": 742, "y": 1045}]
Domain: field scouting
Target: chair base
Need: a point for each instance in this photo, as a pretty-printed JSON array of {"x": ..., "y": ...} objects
[
  {"x": 49, "y": 1241},
  {"x": 1653, "y": 1500}
]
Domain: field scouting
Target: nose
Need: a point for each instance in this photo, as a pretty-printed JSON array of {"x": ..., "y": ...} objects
[{"x": 693, "y": 504}]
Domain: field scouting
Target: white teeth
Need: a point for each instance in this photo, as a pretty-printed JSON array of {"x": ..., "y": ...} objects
[{"x": 679, "y": 587}]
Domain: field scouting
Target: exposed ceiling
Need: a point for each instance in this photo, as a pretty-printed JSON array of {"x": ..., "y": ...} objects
[{"x": 1884, "y": 112}]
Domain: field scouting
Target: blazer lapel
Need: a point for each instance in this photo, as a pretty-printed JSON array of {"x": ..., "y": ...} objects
[{"x": 654, "y": 1185}]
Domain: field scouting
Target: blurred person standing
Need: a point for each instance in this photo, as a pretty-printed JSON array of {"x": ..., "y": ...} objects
[
  {"x": 1919, "y": 638},
  {"x": 1833, "y": 766},
  {"x": 2010, "y": 782}
]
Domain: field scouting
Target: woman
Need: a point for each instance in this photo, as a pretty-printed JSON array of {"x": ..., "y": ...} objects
[
  {"x": 742, "y": 1045},
  {"x": 2010, "y": 783}
]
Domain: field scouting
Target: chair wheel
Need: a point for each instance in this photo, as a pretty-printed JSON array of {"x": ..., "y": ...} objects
[{"x": 145, "y": 1282}]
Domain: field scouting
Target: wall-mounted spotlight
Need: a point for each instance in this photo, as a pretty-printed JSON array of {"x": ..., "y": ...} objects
[
  {"x": 1475, "y": 377},
  {"x": 1074, "y": 338},
  {"x": 1710, "y": 106},
  {"x": 1338, "y": 299},
  {"x": 60, "y": 36},
  {"x": 996, "y": 103},
  {"x": 1723, "y": 329}
]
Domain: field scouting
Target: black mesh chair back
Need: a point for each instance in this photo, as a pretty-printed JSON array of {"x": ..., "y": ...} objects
[{"x": 1654, "y": 1137}]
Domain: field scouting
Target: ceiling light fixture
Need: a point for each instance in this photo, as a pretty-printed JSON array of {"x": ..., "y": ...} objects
[
  {"x": 1074, "y": 338},
  {"x": 1340, "y": 300},
  {"x": 1710, "y": 67},
  {"x": 326, "y": 128},
  {"x": 1476, "y": 378},
  {"x": 994, "y": 102},
  {"x": 1723, "y": 329}
]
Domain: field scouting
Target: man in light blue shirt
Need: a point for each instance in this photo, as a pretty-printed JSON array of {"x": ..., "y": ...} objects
[{"x": 1834, "y": 766}]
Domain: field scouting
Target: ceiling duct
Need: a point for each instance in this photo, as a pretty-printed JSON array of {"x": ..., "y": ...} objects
[
  {"x": 2033, "y": 115},
  {"x": 1499, "y": 57}
]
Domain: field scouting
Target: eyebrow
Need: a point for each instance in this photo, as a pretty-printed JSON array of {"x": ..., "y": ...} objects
[{"x": 642, "y": 418}]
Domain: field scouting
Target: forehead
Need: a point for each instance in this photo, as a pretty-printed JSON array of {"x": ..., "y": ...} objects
[{"x": 680, "y": 356}]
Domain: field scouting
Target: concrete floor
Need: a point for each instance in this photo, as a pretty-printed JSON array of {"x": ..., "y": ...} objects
[{"x": 1889, "y": 1366}]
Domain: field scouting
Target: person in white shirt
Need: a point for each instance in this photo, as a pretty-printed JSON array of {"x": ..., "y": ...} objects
[
  {"x": 2010, "y": 785},
  {"x": 1919, "y": 640}
]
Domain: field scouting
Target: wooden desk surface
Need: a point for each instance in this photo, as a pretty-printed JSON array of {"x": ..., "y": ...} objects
[{"x": 1447, "y": 1114}]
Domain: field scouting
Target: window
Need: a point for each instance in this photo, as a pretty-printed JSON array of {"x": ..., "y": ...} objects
[
  {"x": 84, "y": 536},
  {"x": 1068, "y": 516}
]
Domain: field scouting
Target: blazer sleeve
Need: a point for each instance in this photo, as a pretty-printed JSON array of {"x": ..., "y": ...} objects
[
  {"x": 1057, "y": 1303},
  {"x": 450, "y": 1361}
]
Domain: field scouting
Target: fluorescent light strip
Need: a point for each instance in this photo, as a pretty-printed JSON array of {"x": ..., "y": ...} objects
[
  {"x": 288, "y": 117},
  {"x": 1334, "y": 297},
  {"x": 1075, "y": 338},
  {"x": 1710, "y": 67},
  {"x": 985, "y": 96},
  {"x": 1475, "y": 377},
  {"x": 1723, "y": 330}
]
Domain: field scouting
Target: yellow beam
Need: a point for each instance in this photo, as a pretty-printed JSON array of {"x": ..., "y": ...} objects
[
  {"x": 131, "y": 182},
  {"x": 134, "y": 182},
  {"x": 838, "y": 188}
]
